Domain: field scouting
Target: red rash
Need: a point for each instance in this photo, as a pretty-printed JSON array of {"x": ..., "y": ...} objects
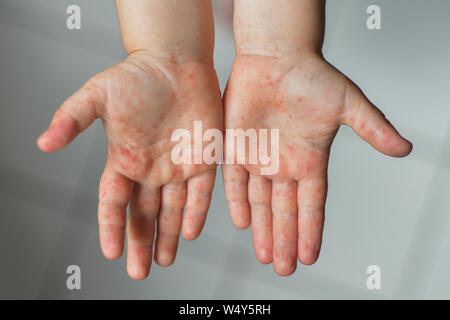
[{"x": 363, "y": 125}]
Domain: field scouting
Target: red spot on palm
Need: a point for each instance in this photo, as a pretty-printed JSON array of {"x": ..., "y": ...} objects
[{"x": 363, "y": 125}]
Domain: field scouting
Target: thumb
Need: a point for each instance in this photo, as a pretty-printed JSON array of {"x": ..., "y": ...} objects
[
  {"x": 370, "y": 124},
  {"x": 72, "y": 118}
]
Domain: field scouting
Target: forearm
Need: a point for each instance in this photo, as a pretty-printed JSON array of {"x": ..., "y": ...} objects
[
  {"x": 172, "y": 29},
  {"x": 268, "y": 27}
]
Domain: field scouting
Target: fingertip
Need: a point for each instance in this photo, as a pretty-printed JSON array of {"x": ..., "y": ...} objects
[
  {"x": 193, "y": 223},
  {"x": 139, "y": 262},
  {"x": 405, "y": 149},
  {"x": 112, "y": 253},
  {"x": 235, "y": 179},
  {"x": 284, "y": 268},
  {"x": 264, "y": 255},
  {"x": 242, "y": 224},
  {"x": 42, "y": 143},
  {"x": 110, "y": 249},
  {"x": 387, "y": 140},
  {"x": 397, "y": 148},
  {"x": 190, "y": 233},
  {"x": 137, "y": 273},
  {"x": 372, "y": 126},
  {"x": 57, "y": 136},
  {"x": 111, "y": 238},
  {"x": 164, "y": 258},
  {"x": 50, "y": 141},
  {"x": 308, "y": 258},
  {"x": 240, "y": 214},
  {"x": 309, "y": 245}
]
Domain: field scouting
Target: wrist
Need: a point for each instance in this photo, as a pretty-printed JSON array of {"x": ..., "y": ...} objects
[
  {"x": 264, "y": 27},
  {"x": 285, "y": 61},
  {"x": 175, "y": 54},
  {"x": 278, "y": 50},
  {"x": 173, "y": 30}
]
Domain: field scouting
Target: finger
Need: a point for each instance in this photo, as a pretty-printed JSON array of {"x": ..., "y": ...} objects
[
  {"x": 173, "y": 198},
  {"x": 235, "y": 181},
  {"x": 144, "y": 208},
  {"x": 312, "y": 194},
  {"x": 114, "y": 195},
  {"x": 199, "y": 190},
  {"x": 371, "y": 125},
  {"x": 74, "y": 116},
  {"x": 284, "y": 213},
  {"x": 259, "y": 195}
]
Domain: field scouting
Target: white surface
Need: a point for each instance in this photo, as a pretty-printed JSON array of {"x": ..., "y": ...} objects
[{"x": 382, "y": 211}]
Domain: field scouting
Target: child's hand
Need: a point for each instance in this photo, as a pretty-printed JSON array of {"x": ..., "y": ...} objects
[
  {"x": 307, "y": 100},
  {"x": 141, "y": 101}
]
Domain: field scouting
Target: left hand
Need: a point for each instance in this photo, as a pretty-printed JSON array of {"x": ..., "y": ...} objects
[{"x": 307, "y": 99}]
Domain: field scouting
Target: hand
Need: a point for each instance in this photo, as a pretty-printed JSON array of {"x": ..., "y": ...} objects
[
  {"x": 141, "y": 101},
  {"x": 307, "y": 100}
]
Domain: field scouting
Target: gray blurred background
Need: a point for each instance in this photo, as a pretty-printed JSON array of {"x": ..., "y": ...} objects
[{"x": 389, "y": 212}]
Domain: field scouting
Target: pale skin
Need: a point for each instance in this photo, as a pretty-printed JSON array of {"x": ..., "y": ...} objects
[
  {"x": 281, "y": 79},
  {"x": 166, "y": 83}
]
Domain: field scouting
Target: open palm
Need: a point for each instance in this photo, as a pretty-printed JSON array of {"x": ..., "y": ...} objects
[
  {"x": 307, "y": 100},
  {"x": 141, "y": 101}
]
